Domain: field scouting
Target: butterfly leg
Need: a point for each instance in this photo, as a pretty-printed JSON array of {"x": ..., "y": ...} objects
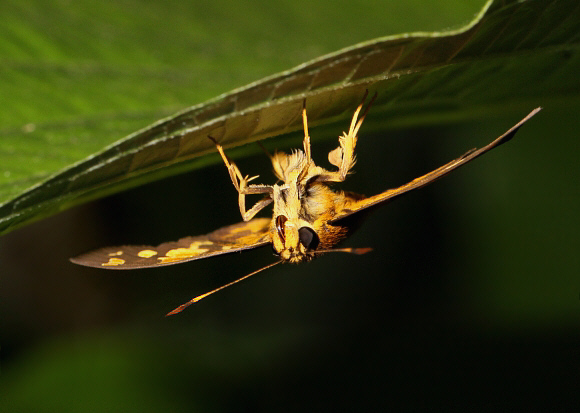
[
  {"x": 343, "y": 156},
  {"x": 241, "y": 184}
]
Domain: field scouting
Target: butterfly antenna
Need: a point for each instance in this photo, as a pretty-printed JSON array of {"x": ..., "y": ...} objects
[
  {"x": 357, "y": 251},
  {"x": 202, "y": 296}
]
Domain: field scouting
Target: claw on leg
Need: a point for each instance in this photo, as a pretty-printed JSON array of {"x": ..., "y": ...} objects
[
  {"x": 343, "y": 156},
  {"x": 241, "y": 184}
]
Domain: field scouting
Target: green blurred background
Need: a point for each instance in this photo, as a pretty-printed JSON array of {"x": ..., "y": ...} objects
[{"x": 469, "y": 301}]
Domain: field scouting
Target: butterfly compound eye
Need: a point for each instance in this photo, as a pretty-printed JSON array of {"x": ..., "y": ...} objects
[
  {"x": 280, "y": 221},
  {"x": 308, "y": 238}
]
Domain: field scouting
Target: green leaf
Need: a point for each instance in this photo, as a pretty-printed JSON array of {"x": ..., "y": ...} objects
[{"x": 514, "y": 55}]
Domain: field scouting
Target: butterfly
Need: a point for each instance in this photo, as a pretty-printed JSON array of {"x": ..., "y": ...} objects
[{"x": 309, "y": 218}]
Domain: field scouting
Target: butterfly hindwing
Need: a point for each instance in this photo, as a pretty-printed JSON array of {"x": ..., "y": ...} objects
[
  {"x": 237, "y": 237},
  {"x": 364, "y": 203}
]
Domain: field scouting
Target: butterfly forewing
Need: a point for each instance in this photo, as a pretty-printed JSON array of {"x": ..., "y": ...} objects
[
  {"x": 237, "y": 237},
  {"x": 364, "y": 203}
]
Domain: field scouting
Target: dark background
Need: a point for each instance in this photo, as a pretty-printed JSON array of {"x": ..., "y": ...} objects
[{"x": 469, "y": 301}]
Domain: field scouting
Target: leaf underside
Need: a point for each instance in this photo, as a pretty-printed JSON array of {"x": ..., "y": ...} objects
[{"x": 512, "y": 56}]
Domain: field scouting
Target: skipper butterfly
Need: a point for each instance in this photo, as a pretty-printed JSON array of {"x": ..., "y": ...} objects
[{"x": 309, "y": 218}]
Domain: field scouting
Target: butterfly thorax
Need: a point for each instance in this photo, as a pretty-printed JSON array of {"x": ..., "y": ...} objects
[{"x": 303, "y": 206}]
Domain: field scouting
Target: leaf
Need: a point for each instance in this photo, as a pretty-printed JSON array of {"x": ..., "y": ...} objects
[{"x": 513, "y": 55}]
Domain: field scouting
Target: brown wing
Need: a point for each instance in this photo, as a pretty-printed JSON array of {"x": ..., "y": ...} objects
[
  {"x": 238, "y": 237},
  {"x": 358, "y": 205}
]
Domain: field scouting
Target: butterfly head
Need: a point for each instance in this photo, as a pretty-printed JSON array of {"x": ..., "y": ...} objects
[{"x": 292, "y": 240}]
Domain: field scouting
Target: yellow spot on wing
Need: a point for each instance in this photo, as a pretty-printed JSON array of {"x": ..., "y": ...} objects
[
  {"x": 179, "y": 254},
  {"x": 254, "y": 226},
  {"x": 147, "y": 253},
  {"x": 247, "y": 234},
  {"x": 113, "y": 262},
  {"x": 112, "y": 254}
]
